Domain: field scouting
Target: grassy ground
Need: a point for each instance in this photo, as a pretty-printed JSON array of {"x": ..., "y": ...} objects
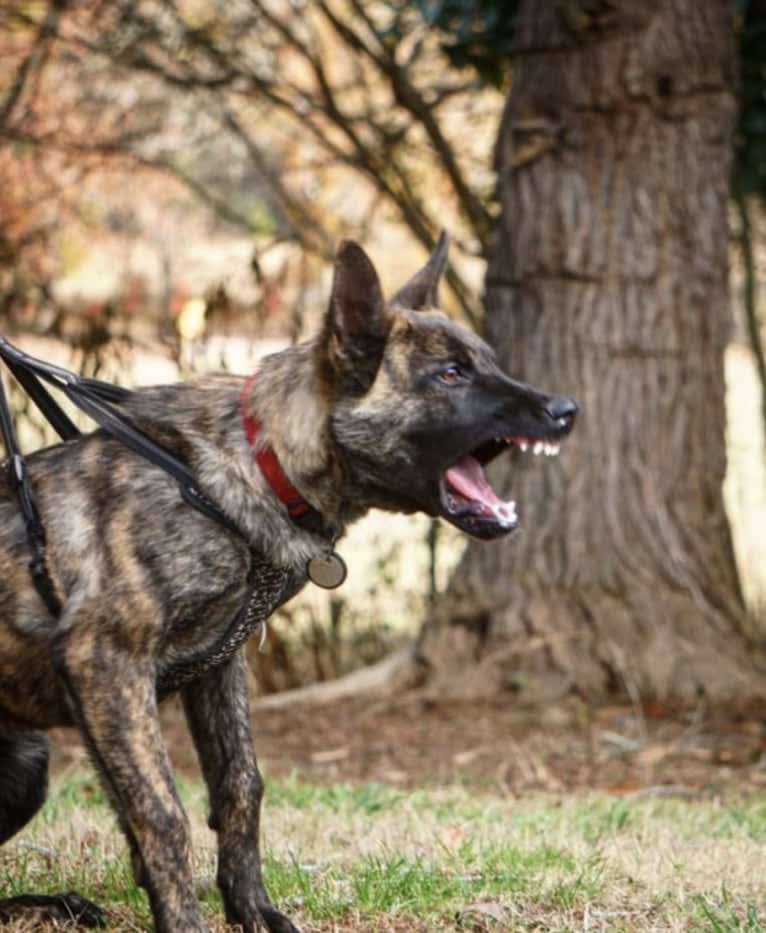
[{"x": 368, "y": 857}]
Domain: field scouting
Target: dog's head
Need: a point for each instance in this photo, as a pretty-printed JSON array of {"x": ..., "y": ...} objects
[{"x": 419, "y": 405}]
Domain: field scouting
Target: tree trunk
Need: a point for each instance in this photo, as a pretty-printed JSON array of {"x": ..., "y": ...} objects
[{"x": 608, "y": 282}]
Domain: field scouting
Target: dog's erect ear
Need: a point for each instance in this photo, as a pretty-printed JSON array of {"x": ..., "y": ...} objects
[
  {"x": 422, "y": 290},
  {"x": 357, "y": 322}
]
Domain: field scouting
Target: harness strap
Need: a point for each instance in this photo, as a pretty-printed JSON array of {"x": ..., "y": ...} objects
[
  {"x": 50, "y": 408},
  {"x": 115, "y": 423},
  {"x": 97, "y": 399},
  {"x": 17, "y": 475}
]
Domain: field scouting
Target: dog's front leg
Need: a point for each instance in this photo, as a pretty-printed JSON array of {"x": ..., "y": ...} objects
[
  {"x": 218, "y": 714},
  {"x": 113, "y": 697}
]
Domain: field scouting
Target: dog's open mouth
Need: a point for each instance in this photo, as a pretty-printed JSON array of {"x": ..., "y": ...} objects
[{"x": 468, "y": 499}]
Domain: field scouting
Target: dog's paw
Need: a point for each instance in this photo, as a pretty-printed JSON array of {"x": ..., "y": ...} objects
[
  {"x": 69, "y": 908},
  {"x": 277, "y": 922}
]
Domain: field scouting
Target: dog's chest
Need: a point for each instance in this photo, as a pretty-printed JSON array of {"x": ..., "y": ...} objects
[{"x": 269, "y": 587}]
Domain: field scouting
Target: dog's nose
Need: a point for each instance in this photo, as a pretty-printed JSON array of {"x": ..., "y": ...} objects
[{"x": 562, "y": 411}]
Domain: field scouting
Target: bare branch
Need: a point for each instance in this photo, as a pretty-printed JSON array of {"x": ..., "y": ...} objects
[
  {"x": 302, "y": 222},
  {"x": 33, "y": 61},
  {"x": 408, "y": 97}
]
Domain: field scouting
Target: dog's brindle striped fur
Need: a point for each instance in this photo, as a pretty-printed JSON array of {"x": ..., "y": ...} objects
[{"x": 360, "y": 417}]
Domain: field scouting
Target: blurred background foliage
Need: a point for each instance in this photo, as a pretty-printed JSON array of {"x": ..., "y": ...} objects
[{"x": 476, "y": 34}]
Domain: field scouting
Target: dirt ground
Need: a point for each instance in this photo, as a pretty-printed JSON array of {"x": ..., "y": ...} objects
[{"x": 409, "y": 740}]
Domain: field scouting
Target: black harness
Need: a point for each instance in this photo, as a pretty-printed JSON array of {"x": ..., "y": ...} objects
[{"x": 268, "y": 586}]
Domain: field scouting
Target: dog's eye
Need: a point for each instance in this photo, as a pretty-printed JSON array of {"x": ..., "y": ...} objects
[{"x": 451, "y": 375}]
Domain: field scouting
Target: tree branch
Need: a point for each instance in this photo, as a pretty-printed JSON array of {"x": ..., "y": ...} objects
[
  {"x": 410, "y": 99},
  {"x": 34, "y": 60}
]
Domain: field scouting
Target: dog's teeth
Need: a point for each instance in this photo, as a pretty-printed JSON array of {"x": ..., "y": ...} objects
[
  {"x": 506, "y": 511},
  {"x": 523, "y": 446},
  {"x": 538, "y": 448},
  {"x": 555, "y": 448}
]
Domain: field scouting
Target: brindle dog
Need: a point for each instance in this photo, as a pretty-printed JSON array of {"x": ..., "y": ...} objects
[{"x": 392, "y": 406}]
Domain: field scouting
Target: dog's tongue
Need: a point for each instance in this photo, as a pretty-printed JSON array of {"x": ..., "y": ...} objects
[{"x": 467, "y": 478}]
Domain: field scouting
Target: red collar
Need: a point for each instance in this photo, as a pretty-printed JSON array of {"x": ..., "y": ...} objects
[{"x": 270, "y": 466}]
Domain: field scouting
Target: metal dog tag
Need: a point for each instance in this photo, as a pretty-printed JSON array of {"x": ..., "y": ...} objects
[{"x": 328, "y": 572}]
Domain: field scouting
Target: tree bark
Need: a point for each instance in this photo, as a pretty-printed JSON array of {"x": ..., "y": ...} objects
[{"x": 608, "y": 281}]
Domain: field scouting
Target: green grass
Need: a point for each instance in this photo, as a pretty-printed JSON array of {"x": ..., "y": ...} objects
[
  {"x": 725, "y": 917},
  {"x": 370, "y": 857},
  {"x": 433, "y": 887}
]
